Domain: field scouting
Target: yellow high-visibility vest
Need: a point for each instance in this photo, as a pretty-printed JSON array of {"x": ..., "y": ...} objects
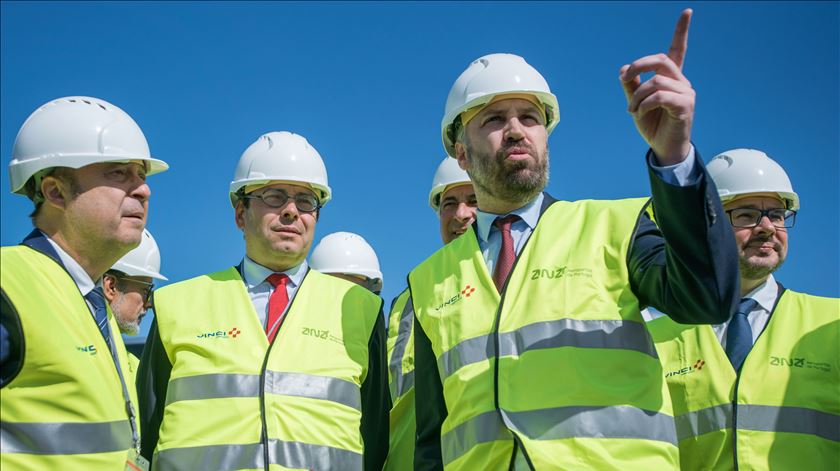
[
  {"x": 65, "y": 409},
  {"x": 234, "y": 401},
  {"x": 558, "y": 368},
  {"x": 401, "y": 384},
  {"x": 781, "y": 412}
]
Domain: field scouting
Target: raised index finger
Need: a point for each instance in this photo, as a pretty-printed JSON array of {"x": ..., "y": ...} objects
[{"x": 679, "y": 44}]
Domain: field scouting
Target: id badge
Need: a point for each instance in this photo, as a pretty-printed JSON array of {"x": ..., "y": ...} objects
[{"x": 135, "y": 462}]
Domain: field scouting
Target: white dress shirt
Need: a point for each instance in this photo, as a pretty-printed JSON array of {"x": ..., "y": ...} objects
[
  {"x": 259, "y": 289},
  {"x": 77, "y": 273}
]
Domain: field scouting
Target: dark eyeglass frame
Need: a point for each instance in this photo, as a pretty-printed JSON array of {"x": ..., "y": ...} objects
[
  {"x": 297, "y": 198},
  {"x": 147, "y": 291},
  {"x": 788, "y": 217}
]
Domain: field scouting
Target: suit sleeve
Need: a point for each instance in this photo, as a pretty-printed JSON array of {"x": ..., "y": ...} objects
[
  {"x": 430, "y": 406},
  {"x": 686, "y": 263},
  {"x": 11, "y": 341},
  {"x": 152, "y": 381},
  {"x": 376, "y": 400}
]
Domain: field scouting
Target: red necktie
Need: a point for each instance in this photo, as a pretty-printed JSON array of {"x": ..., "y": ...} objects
[
  {"x": 276, "y": 304},
  {"x": 506, "y": 255}
]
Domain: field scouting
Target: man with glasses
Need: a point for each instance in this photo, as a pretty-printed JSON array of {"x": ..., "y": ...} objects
[
  {"x": 761, "y": 390},
  {"x": 128, "y": 286},
  {"x": 267, "y": 363}
]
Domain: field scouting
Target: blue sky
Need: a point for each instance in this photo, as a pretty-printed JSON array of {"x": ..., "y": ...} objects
[{"x": 366, "y": 84}]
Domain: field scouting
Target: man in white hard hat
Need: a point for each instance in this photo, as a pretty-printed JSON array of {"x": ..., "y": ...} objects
[
  {"x": 67, "y": 403},
  {"x": 761, "y": 390},
  {"x": 530, "y": 349},
  {"x": 267, "y": 363},
  {"x": 127, "y": 287},
  {"x": 348, "y": 256},
  {"x": 452, "y": 197}
]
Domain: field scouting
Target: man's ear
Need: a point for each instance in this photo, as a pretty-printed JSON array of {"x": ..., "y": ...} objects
[
  {"x": 461, "y": 155},
  {"x": 56, "y": 192},
  {"x": 239, "y": 215},
  {"x": 109, "y": 288}
]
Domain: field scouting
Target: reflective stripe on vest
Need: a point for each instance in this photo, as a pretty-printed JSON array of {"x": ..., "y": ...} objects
[
  {"x": 760, "y": 418},
  {"x": 76, "y": 438},
  {"x": 558, "y": 423},
  {"x": 400, "y": 383},
  {"x": 215, "y": 386},
  {"x": 623, "y": 335},
  {"x": 286, "y": 454}
]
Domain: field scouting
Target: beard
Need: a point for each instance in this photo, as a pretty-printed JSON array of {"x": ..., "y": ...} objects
[
  {"x": 128, "y": 327},
  {"x": 511, "y": 181},
  {"x": 758, "y": 268}
]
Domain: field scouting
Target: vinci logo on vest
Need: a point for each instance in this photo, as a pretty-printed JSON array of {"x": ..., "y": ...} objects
[
  {"x": 464, "y": 293},
  {"x": 697, "y": 366},
  {"x": 220, "y": 334}
]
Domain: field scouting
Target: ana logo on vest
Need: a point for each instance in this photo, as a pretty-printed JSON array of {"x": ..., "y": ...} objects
[
  {"x": 220, "y": 334},
  {"x": 800, "y": 363},
  {"x": 464, "y": 293},
  {"x": 560, "y": 272},
  {"x": 87, "y": 349},
  {"x": 697, "y": 366}
]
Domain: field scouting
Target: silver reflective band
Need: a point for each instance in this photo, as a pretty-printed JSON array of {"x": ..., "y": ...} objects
[
  {"x": 250, "y": 456},
  {"x": 612, "y": 334},
  {"x": 217, "y": 457},
  {"x": 215, "y": 386},
  {"x": 314, "y": 386},
  {"x": 593, "y": 422},
  {"x": 789, "y": 420},
  {"x": 400, "y": 384},
  {"x": 42, "y": 438},
  {"x": 306, "y": 456},
  {"x": 703, "y": 421},
  {"x": 192, "y": 388},
  {"x": 483, "y": 428}
]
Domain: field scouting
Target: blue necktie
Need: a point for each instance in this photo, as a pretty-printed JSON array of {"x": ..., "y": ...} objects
[
  {"x": 739, "y": 334},
  {"x": 96, "y": 298}
]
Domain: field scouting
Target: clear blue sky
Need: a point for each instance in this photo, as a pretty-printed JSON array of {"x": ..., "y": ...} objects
[{"x": 366, "y": 84}]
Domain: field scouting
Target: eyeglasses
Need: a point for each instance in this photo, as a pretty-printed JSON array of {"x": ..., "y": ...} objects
[
  {"x": 146, "y": 292},
  {"x": 304, "y": 202},
  {"x": 751, "y": 217}
]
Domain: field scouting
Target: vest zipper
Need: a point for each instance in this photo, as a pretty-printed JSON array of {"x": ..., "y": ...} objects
[{"x": 264, "y": 431}]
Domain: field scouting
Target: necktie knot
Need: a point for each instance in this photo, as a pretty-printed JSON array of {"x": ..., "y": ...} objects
[
  {"x": 746, "y": 306},
  {"x": 503, "y": 223},
  {"x": 277, "y": 279}
]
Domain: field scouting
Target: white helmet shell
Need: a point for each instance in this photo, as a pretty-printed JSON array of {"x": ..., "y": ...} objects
[
  {"x": 284, "y": 157},
  {"x": 488, "y": 77},
  {"x": 144, "y": 260},
  {"x": 744, "y": 171},
  {"x": 448, "y": 173},
  {"x": 75, "y": 132},
  {"x": 345, "y": 252}
]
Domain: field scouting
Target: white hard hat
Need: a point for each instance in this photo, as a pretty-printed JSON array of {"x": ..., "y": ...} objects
[
  {"x": 281, "y": 156},
  {"x": 345, "y": 252},
  {"x": 488, "y": 77},
  {"x": 74, "y": 132},
  {"x": 144, "y": 260},
  {"x": 448, "y": 173},
  {"x": 742, "y": 171}
]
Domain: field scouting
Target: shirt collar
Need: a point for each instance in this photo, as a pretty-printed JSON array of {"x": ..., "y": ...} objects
[
  {"x": 79, "y": 275},
  {"x": 765, "y": 294},
  {"x": 530, "y": 214},
  {"x": 255, "y": 274}
]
